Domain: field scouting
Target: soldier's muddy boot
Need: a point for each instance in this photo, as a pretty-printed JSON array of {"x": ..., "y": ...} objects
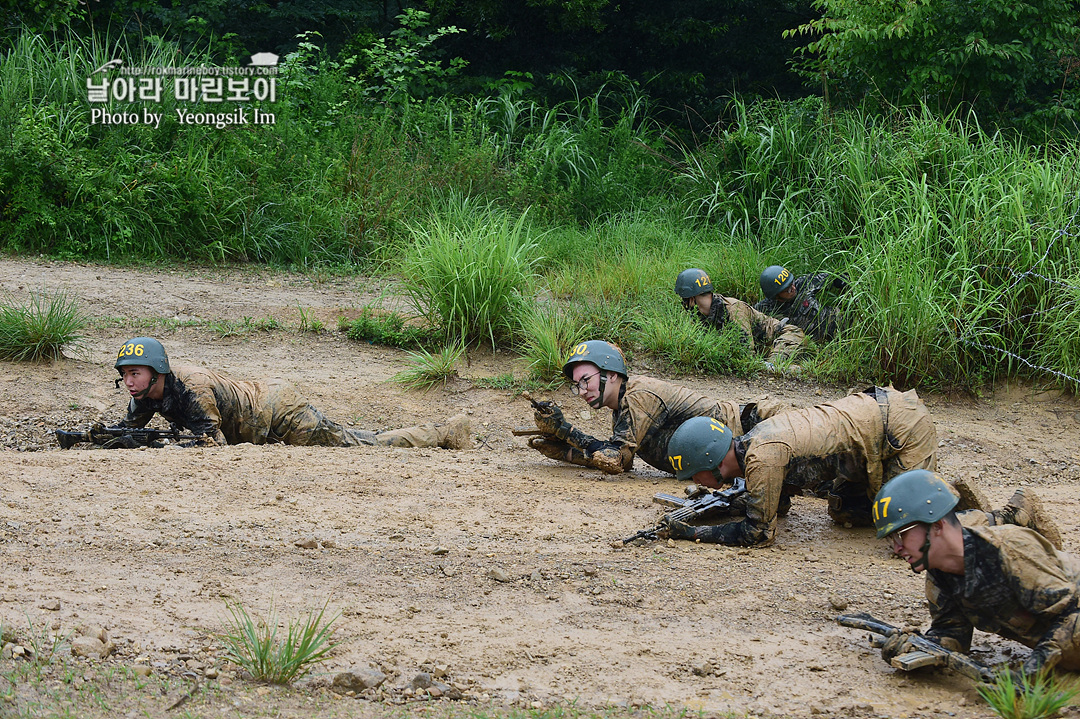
[
  {"x": 971, "y": 497},
  {"x": 1025, "y": 509},
  {"x": 453, "y": 434},
  {"x": 456, "y": 433}
]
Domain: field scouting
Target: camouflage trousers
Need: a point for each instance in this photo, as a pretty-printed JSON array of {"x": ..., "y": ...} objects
[{"x": 297, "y": 422}]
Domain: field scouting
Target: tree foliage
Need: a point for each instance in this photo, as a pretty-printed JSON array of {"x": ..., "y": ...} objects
[{"x": 995, "y": 56}]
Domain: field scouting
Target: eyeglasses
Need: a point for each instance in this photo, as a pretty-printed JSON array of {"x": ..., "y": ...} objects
[
  {"x": 582, "y": 385},
  {"x": 896, "y": 539}
]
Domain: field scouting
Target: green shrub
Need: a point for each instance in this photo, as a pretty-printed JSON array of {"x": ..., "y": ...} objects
[
  {"x": 1034, "y": 697},
  {"x": 389, "y": 330}
]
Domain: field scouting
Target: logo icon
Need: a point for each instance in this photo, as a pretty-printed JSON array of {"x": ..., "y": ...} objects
[
  {"x": 110, "y": 65},
  {"x": 264, "y": 59}
]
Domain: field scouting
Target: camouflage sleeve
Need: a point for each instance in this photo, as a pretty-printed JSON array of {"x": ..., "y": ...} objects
[
  {"x": 1064, "y": 633},
  {"x": 787, "y": 343},
  {"x": 764, "y": 482},
  {"x": 1046, "y": 590},
  {"x": 766, "y": 306},
  {"x": 199, "y": 411},
  {"x": 743, "y": 533},
  {"x": 816, "y": 282},
  {"x": 137, "y": 416},
  {"x": 948, "y": 625}
]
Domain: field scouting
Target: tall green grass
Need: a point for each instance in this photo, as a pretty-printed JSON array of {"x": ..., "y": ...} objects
[
  {"x": 594, "y": 206},
  {"x": 469, "y": 269}
]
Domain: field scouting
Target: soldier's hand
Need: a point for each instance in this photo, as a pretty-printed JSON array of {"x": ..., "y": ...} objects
[
  {"x": 551, "y": 448},
  {"x": 125, "y": 441},
  {"x": 674, "y": 529},
  {"x": 550, "y": 421},
  {"x": 608, "y": 461},
  {"x": 897, "y": 644},
  {"x": 203, "y": 441}
]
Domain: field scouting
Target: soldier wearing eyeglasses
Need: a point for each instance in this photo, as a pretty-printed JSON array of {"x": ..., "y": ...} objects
[{"x": 645, "y": 412}]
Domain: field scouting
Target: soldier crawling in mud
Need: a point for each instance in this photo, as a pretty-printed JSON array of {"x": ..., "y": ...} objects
[
  {"x": 778, "y": 340},
  {"x": 222, "y": 410},
  {"x": 795, "y": 298},
  {"x": 852, "y": 445},
  {"x": 645, "y": 411},
  {"x": 1007, "y": 580}
]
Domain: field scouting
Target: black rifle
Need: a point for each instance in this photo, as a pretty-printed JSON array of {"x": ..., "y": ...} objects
[
  {"x": 693, "y": 508},
  {"x": 138, "y": 436},
  {"x": 927, "y": 653}
]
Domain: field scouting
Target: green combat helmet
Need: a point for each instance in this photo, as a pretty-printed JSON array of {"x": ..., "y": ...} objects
[
  {"x": 918, "y": 495},
  {"x": 910, "y": 498},
  {"x": 691, "y": 283},
  {"x": 698, "y": 444},
  {"x": 145, "y": 351},
  {"x": 600, "y": 353},
  {"x": 604, "y": 355},
  {"x": 774, "y": 280}
]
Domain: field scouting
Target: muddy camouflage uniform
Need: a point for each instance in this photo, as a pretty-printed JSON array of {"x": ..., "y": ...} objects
[
  {"x": 229, "y": 411},
  {"x": 804, "y": 309},
  {"x": 843, "y": 450},
  {"x": 1015, "y": 584},
  {"x": 771, "y": 337},
  {"x": 650, "y": 410}
]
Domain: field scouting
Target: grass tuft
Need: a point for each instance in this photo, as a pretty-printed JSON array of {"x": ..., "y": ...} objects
[
  {"x": 673, "y": 334},
  {"x": 254, "y": 644},
  {"x": 41, "y": 329},
  {"x": 429, "y": 369},
  {"x": 469, "y": 270},
  {"x": 1038, "y": 696}
]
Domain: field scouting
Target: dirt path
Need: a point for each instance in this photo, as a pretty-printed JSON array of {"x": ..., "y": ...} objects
[{"x": 149, "y": 543}]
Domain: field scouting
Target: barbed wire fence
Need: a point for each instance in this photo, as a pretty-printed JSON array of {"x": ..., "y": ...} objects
[{"x": 967, "y": 337}]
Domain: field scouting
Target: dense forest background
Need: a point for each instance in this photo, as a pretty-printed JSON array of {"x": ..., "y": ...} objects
[{"x": 583, "y": 153}]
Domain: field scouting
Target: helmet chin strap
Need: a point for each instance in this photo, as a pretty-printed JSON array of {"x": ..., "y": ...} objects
[
  {"x": 922, "y": 563},
  {"x": 599, "y": 401}
]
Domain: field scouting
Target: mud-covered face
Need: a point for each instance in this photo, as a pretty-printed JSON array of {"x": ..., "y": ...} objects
[
  {"x": 137, "y": 379},
  {"x": 710, "y": 478}
]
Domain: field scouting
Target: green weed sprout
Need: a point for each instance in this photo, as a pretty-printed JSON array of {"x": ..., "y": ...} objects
[
  {"x": 44, "y": 644},
  {"x": 40, "y": 329},
  {"x": 254, "y": 644},
  {"x": 1037, "y": 696}
]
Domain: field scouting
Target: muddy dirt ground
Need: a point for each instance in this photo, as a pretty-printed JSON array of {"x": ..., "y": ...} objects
[{"x": 493, "y": 567}]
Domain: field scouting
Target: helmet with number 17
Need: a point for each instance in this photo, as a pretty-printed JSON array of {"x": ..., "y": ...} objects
[
  {"x": 917, "y": 495},
  {"x": 699, "y": 444}
]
